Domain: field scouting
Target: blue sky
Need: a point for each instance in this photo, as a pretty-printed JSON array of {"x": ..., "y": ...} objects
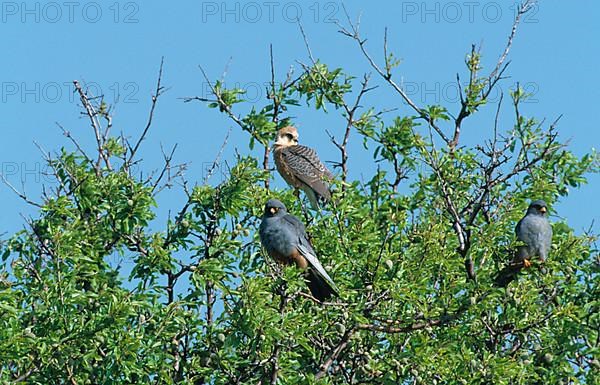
[{"x": 116, "y": 47}]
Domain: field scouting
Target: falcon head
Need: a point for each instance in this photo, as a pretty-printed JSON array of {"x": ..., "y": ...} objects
[
  {"x": 274, "y": 208},
  {"x": 287, "y": 136},
  {"x": 538, "y": 208}
]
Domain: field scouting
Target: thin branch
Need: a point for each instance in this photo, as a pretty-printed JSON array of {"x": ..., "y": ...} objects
[
  {"x": 19, "y": 194},
  {"x": 496, "y": 75},
  {"x": 96, "y": 126},
  {"x": 215, "y": 163},
  {"x": 335, "y": 353},
  {"x": 386, "y": 75},
  {"x": 222, "y": 105},
  {"x": 349, "y": 111},
  {"x": 76, "y": 143},
  {"x": 157, "y": 93},
  {"x": 22, "y": 378},
  {"x": 166, "y": 171},
  {"x": 277, "y": 350},
  {"x": 524, "y": 7}
]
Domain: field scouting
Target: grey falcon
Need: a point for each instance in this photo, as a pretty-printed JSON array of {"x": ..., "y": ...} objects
[
  {"x": 301, "y": 167},
  {"x": 535, "y": 231},
  {"x": 285, "y": 240}
]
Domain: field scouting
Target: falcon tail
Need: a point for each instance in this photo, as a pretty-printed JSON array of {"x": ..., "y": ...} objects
[
  {"x": 319, "y": 287},
  {"x": 507, "y": 275},
  {"x": 316, "y": 199}
]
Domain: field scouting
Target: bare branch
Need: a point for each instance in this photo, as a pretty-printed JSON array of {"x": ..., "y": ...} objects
[
  {"x": 497, "y": 72},
  {"x": 350, "y": 111},
  {"x": 492, "y": 79},
  {"x": 222, "y": 105},
  {"x": 96, "y": 126},
  {"x": 19, "y": 194},
  {"x": 76, "y": 143},
  {"x": 157, "y": 93},
  {"x": 215, "y": 163},
  {"x": 166, "y": 171},
  {"x": 335, "y": 353},
  {"x": 386, "y": 75}
]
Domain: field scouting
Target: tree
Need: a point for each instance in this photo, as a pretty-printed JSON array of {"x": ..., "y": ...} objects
[{"x": 414, "y": 251}]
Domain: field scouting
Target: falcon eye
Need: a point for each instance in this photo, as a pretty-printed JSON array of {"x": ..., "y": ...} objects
[{"x": 289, "y": 136}]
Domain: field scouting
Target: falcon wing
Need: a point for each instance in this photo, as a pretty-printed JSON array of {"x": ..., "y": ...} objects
[
  {"x": 547, "y": 235},
  {"x": 296, "y": 224},
  {"x": 316, "y": 265},
  {"x": 304, "y": 163},
  {"x": 536, "y": 233},
  {"x": 526, "y": 231},
  {"x": 307, "y": 251}
]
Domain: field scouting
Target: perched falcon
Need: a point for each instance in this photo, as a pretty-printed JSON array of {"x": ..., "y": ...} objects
[
  {"x": 535, "y": 231},
  {"x": 284, "y": 238},
  {"x": 301, "y": 168}
]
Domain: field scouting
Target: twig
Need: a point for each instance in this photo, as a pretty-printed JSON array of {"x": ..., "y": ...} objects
[
  {"x": 76, "y": 143},
  {"x": 492, "y": 79},
  {"x": 215, "y": 163},
  {"x": 497, "y": 72},
  {"x": 219, "y": 100},
  {"x": 335, "y": 353},
  {"x": 386, "y": 75},
  {"x": 157, "y": 93},
  {"x": 349, "y": 111},
  {"x": 19, "y": 194},
  {"x": 96, "y": 126}
]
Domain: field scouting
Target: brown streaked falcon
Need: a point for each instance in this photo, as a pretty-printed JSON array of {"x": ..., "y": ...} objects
[
  {"x": 284, "y": 237},
  {"x": 301, "y": 168}
]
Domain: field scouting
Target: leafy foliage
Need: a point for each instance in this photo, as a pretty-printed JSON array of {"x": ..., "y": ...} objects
[{"x": 202, "y": 304}]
